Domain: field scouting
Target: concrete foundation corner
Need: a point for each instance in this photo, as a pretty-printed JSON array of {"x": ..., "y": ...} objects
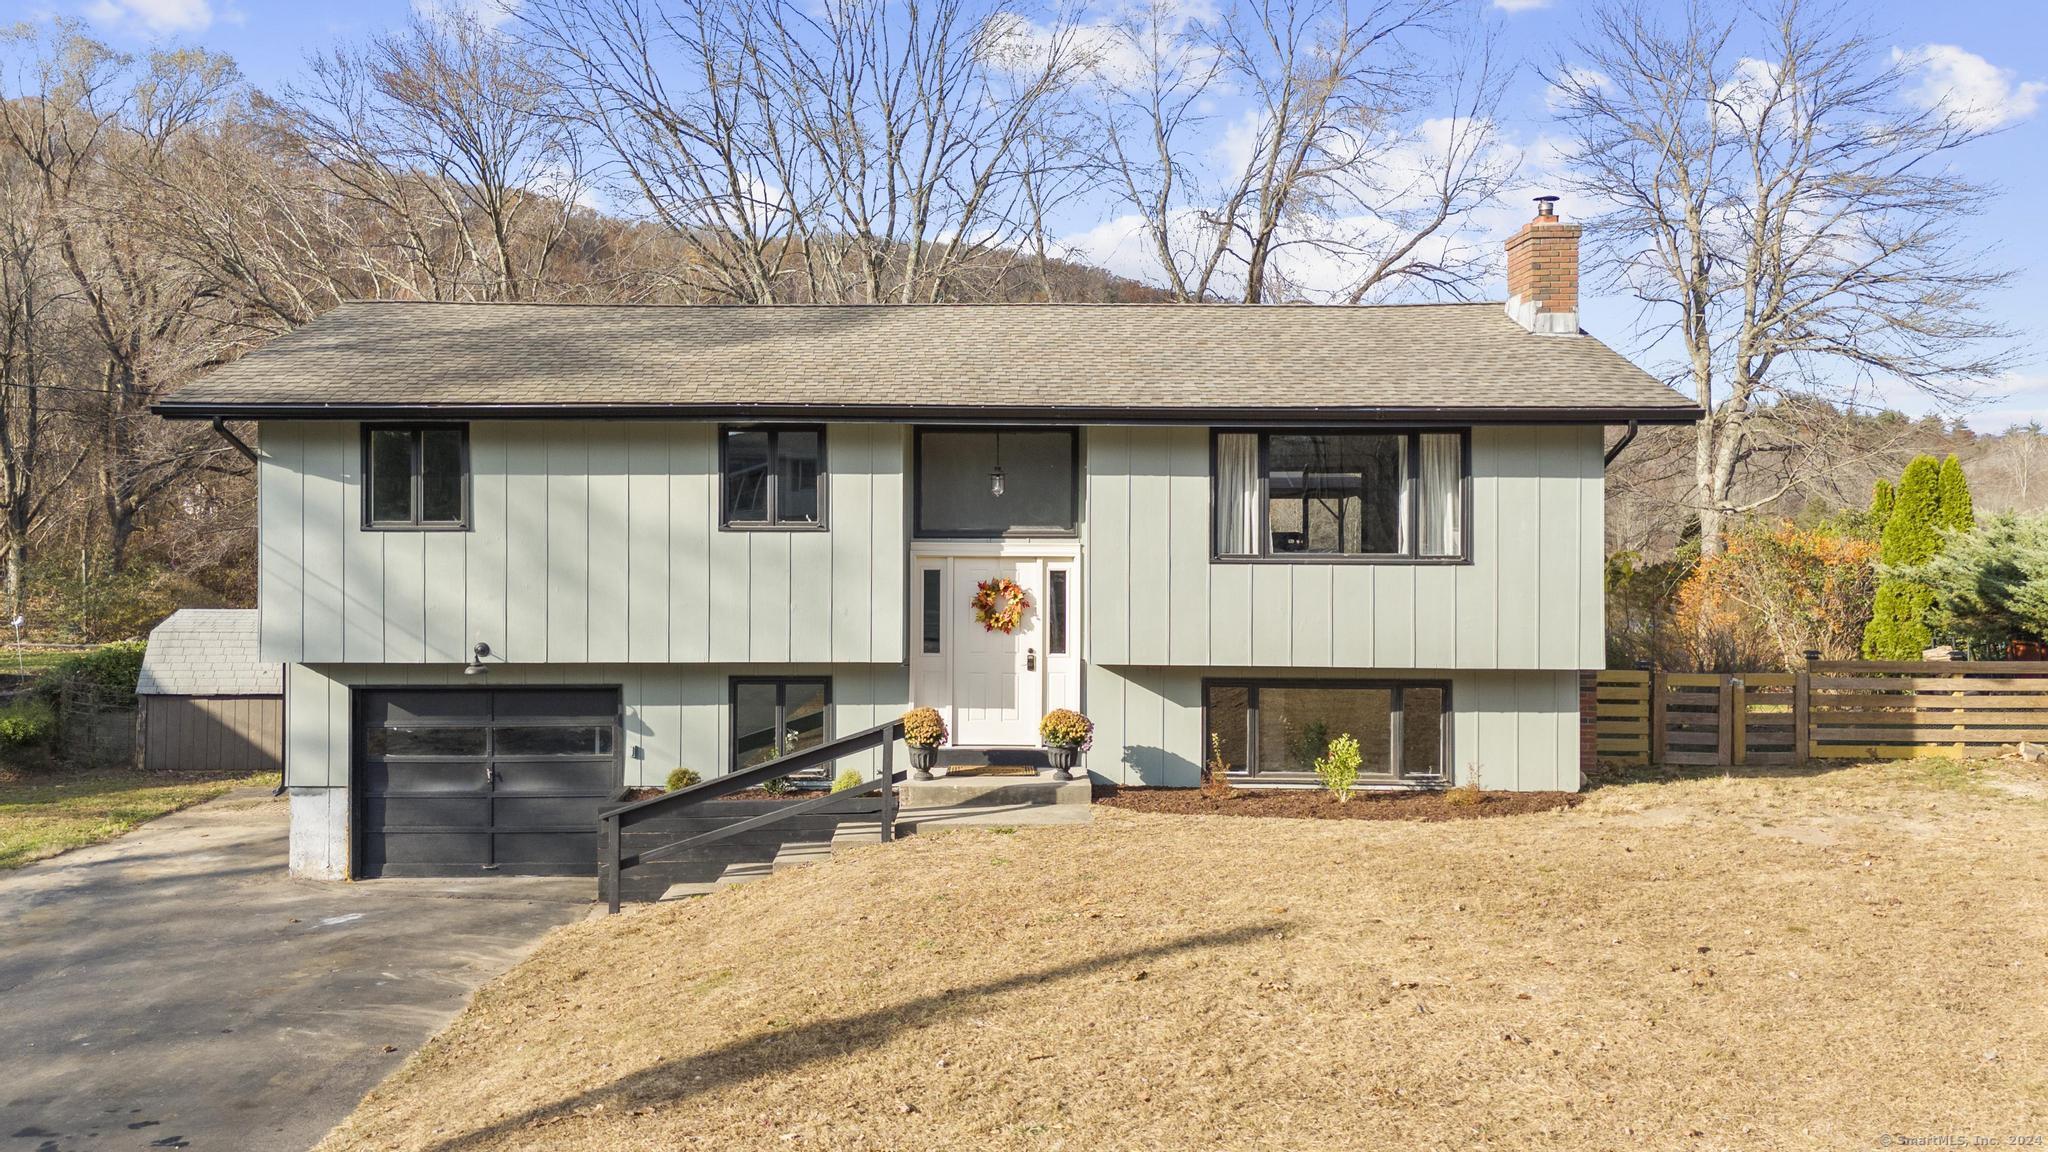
[{"x": 319, "y": 834}]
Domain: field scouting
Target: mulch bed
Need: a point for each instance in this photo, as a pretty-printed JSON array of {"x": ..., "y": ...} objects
[{"x": 1316, "y": 804}]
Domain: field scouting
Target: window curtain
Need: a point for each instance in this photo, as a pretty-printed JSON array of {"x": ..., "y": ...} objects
[
  {"x": 1443, "y": 514},
  {"x": 1237, "y": 494}
]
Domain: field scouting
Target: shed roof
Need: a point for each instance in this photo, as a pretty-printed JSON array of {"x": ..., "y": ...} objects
[
  {"x": 1075, "y": 362},
  {"x": 207, "y": 652}
]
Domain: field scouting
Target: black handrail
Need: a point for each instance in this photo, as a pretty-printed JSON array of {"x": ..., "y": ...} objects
[{"x": 882, "y": 736}]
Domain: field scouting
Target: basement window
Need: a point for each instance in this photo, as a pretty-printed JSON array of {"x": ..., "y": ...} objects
[
  {"x": 1275, "y": 730},
  {"x": 775, "y": 716},
  {"x": 416, "y": 476}
]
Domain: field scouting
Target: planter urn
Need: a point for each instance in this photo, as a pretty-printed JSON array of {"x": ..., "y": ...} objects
[
  {"x": 922, "y": 757},
  {"x": 1062, "y": 759}
]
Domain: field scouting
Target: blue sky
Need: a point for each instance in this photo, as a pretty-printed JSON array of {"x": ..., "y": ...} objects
[{"x": 1989, "y": 54}]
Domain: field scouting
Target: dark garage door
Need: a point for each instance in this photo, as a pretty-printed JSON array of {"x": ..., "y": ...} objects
[{"x": 460, "y": 783}]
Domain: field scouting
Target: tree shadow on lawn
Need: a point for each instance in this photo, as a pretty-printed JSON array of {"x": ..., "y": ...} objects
[{"x": 674, "y": 1081}]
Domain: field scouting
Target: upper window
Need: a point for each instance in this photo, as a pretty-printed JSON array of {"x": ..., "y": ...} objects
[
  {"x": 772, "y": 477},
  {"x": 418, "y": 476},
  {"x": 1371, "y": 495},
  {"x": 993, "y": 482}
]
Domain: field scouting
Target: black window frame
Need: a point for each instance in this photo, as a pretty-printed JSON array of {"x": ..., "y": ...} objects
[
  {"x": 1396, "y": 729},
  {"x": 774, "y": 522},
  {"x": 919, "y": 532},
  {"x": 1413, "y": 450},
  {"x": 781, "y": 683},
  {"x": 465, "y": 523}
]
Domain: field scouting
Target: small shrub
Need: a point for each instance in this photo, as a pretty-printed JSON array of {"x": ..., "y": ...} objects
[
  {"x": 778, "y": 786},
  {"x": 848, "y": 778},
  {"x": 1466, "y": 795},
  {"x": 28, "y": 722},
  {"x": 1338, "y": 767},
  {"x": 924, "y": 728},
  {"x": 1066, "y": 728},
  {"x": 1216, "y": 773},
  {"x": 106, "y": 673},
  {"x": 683, "y": 778}
]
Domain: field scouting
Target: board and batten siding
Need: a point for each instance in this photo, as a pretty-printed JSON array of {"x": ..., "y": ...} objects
[
  {"x": 1510, "y": 730},
  {"x": 676, "y": 715},
  {"x": 1531, "y": 598},
  {"x": 591, "y": 542}
]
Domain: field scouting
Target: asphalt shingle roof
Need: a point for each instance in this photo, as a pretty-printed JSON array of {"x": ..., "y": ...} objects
[
  {"x": 1074, "y": 358},
  {"x": 207, "y": 652}
]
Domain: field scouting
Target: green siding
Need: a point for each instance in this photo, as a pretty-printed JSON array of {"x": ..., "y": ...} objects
[
  {"x": 592, "y": 542},
  {"x": 1531, "y": 598},
  {"x": 1512, "y": 730},
  {"x": 675, "y": 714}
]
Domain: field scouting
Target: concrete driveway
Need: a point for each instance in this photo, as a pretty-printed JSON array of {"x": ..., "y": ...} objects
[{"x": 175, "y": 989}]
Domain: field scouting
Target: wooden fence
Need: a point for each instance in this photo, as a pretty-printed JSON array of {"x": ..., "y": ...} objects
[{"x": 1846, "y": 709}]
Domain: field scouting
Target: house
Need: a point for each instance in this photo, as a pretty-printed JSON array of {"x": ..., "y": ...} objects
[
  {"x": 204, "y": 701},
  {"x": 516, "y": 556}
]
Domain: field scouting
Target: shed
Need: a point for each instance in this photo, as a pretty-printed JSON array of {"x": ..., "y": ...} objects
[{"x": 205, "y": 703}]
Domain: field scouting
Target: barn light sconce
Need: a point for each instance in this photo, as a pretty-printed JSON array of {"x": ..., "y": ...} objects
[
  {"x": 995, "y": 476},
  {"x": 475, "y": 667}
]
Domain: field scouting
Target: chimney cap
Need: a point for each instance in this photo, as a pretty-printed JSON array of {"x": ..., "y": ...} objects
[{"x": 1546, "y": 207}]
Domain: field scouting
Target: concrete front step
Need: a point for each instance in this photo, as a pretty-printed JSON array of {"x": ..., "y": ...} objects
[{"x": 995, "y": 791}]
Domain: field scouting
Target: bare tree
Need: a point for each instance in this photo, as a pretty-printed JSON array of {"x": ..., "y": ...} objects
[
  {"x": 1355, "y": 166},
  {"x": 91, "y": 124},
  {"x": 1790, "y": 226},
  {"x": 448, "y": 133}
]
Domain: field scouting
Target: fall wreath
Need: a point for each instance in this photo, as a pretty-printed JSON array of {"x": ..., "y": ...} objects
[{"x": 999, "y": 604}]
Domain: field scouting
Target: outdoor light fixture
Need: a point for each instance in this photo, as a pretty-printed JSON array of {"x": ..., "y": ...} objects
[
  {"x": 995, "y": 476},
  {"x": 475, "y": 667}
]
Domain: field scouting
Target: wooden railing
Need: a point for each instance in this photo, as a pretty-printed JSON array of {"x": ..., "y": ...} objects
[
  {"x": 621, "y": 829},
  {"x": 1841, "y": 709}
]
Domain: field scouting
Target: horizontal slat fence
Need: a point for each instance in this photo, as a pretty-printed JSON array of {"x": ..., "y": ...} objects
[
  {"x": 1848, "y": 709},
  {"x": 1867, "y": 710},
  {"x": 1623, "y": 717}
]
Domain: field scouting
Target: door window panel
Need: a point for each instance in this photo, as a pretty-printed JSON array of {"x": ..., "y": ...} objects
[
  {"x": 555, "y": 740},
  {"x": 425, "y": 741}
]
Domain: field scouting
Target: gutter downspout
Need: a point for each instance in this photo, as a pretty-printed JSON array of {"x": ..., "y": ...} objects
[
  {"x": 220, "y": 428},
  {"x": 1627, "y": 438}
]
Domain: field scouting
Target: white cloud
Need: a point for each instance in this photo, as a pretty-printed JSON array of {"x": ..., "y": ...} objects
[
  {"x": 1979, "y": 93},
  {"x": 152, "y": 15},
  {"x": 1520, "y": 5}
]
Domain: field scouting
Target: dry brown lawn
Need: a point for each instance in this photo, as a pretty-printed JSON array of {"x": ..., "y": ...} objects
[{"x": 1833, "y": 960}]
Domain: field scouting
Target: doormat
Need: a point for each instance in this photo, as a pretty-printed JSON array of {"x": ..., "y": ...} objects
[{"x": 991, "y": 770}]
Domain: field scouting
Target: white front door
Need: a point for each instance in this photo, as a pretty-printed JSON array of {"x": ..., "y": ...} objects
[
  {"x": 998, "y": 696},
  {"x": 994, "y": 687}
]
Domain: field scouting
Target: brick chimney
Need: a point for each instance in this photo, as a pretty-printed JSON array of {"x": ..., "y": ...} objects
[{"x": 1543, "y": 273}]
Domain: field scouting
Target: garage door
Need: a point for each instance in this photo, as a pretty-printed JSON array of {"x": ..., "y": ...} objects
[{"x": 460, "y": 783}]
